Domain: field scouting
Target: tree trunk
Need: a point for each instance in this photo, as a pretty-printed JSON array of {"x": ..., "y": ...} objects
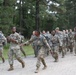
[{"x": 37, "y": 15}]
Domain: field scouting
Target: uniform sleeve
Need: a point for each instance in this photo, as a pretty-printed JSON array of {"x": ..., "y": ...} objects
[
  {"x": 30, "y": 41},
  {"x": 60, "y": 41}
]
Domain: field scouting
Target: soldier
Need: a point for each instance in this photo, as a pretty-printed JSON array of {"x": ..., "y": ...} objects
[
  {"x": 64, "y": 41},
  {"x": 54, "y": 41},
  {"x": 14, "y": 49},
  {"x": 66, "y": 32},
  {"x": 21, "y": 48},
  {"x": 60, "y": 35},
  {"x": 35, "y": 47},
  {"x": 71, "y": 40},
  {"x": 2, "y": 39},
  {"x": 47, "y": 36},
  {"x": 75, "y": 40},
  {"x": 41, "y": 42}
]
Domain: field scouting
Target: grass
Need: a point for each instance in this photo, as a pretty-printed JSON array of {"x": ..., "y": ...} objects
[{"x": 28, "y": 50}]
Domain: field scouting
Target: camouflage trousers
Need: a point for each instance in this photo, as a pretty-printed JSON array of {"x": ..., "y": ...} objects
[
  {"x": 40, "y": 57},
  {"x": 1, "y": 51},
  {"x": 14, "y": 52},
  {"x": 64, "y": 48},
  {"x": 71, "y": 45},
  {"x": 35, "y": 47},
  {"x": 75, "y": 46},
  {"x": 55, "y": 52}
]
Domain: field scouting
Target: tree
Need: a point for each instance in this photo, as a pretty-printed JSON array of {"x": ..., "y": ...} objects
[{"x": 6, "y": 15}]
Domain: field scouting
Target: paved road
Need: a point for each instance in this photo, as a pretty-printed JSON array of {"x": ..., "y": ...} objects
[{"x": 65, "y": 66}]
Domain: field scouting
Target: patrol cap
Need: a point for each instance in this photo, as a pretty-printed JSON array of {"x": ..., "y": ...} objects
[{"x": 57, "y": 28}]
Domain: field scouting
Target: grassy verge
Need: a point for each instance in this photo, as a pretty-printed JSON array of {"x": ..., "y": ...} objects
[{"x": 28, "y": 50}]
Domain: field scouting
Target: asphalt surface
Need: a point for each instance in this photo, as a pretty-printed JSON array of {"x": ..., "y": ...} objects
[{"x": 65, "y": 66}]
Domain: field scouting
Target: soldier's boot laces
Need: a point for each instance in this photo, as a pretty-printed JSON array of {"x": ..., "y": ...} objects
[
  {"x": 22, "y": 62},
  {"x": 11, "y": 68}
]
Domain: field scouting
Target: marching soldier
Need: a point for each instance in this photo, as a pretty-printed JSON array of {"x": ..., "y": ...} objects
[
  {"x": 14, "y": 49},
  {"x": 71, "y": 40},
  {"x": 64, "y": 41},
  {"x": 41, "y": 42},
  {"x": 47, "y": 35},
  {"x": 2, "y": 39},
  {"x": 21, "y": 48},
  {"x": 34, "y": 45},
  {"x": 54, "y": 41},
  {"x": 75, "y": 40},
  {"x": 66, "y": 32},
  {"x": 60, "y": 35}
]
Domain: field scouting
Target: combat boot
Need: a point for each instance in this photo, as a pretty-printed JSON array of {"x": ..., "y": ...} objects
[
  {"x": 11, "y": 68},
  {"x": 22, "y": 62},
  {"x": 55, "y": 55},
  {"x": 37, "y": 70},
  {"x": 3, "y": 60}
]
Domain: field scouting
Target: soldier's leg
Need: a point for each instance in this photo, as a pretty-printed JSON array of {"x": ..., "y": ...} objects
[
  {"x": 38, "y": 64},
  {"x": 1, "y": 55},
  {"x": 55, "y": 53},
  {"x": 71, "y": 48},
  {"x": 10, "y": 59},
  {"x": 65, "y": 48},
  {"x": 36, "y": 51},
  {"x": 22, "y": 50},
  {"x": 63, "y": 52},
  {"x": 40, "y": 58},
  {"x": 75, "y": 47},
  {"x": 55, "y": 56},
  {"x": 17, "y": 53},
  {"x": 43, "y": 62},
  {"x": 60, "y": 49}
]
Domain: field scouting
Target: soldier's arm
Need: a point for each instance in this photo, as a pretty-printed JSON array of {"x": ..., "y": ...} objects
[
  {"x": 28, "y": 42},
  {"x": 16, "y": 41},
  {"x": 60, "y": 41},
  {"x": 13, "y": 40}
]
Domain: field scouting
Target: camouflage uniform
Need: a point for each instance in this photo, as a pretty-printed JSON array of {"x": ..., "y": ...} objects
[
  {"x": 2, "y": 39},
  {"x": 47, "y": 36},
  {"x": 60, "y": 35},
  {"x": 71, "y": 41},
  {"x": 64, "y": 42},
  {"x": 21, "y": 47},
  {"x": 67, "y": 42},
  {"x": 14, "y": 50},
  {"x": 54, "y": 41},
  {"x": 41, "y": 43},
  {"x": 75, "y": 42},
  {"x": 35, "y": 47}
]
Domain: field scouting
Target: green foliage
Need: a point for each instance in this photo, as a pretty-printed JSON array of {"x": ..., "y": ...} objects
[
  {"x": 6, "y": 15},
  {"x": 52, "y": 13}
]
